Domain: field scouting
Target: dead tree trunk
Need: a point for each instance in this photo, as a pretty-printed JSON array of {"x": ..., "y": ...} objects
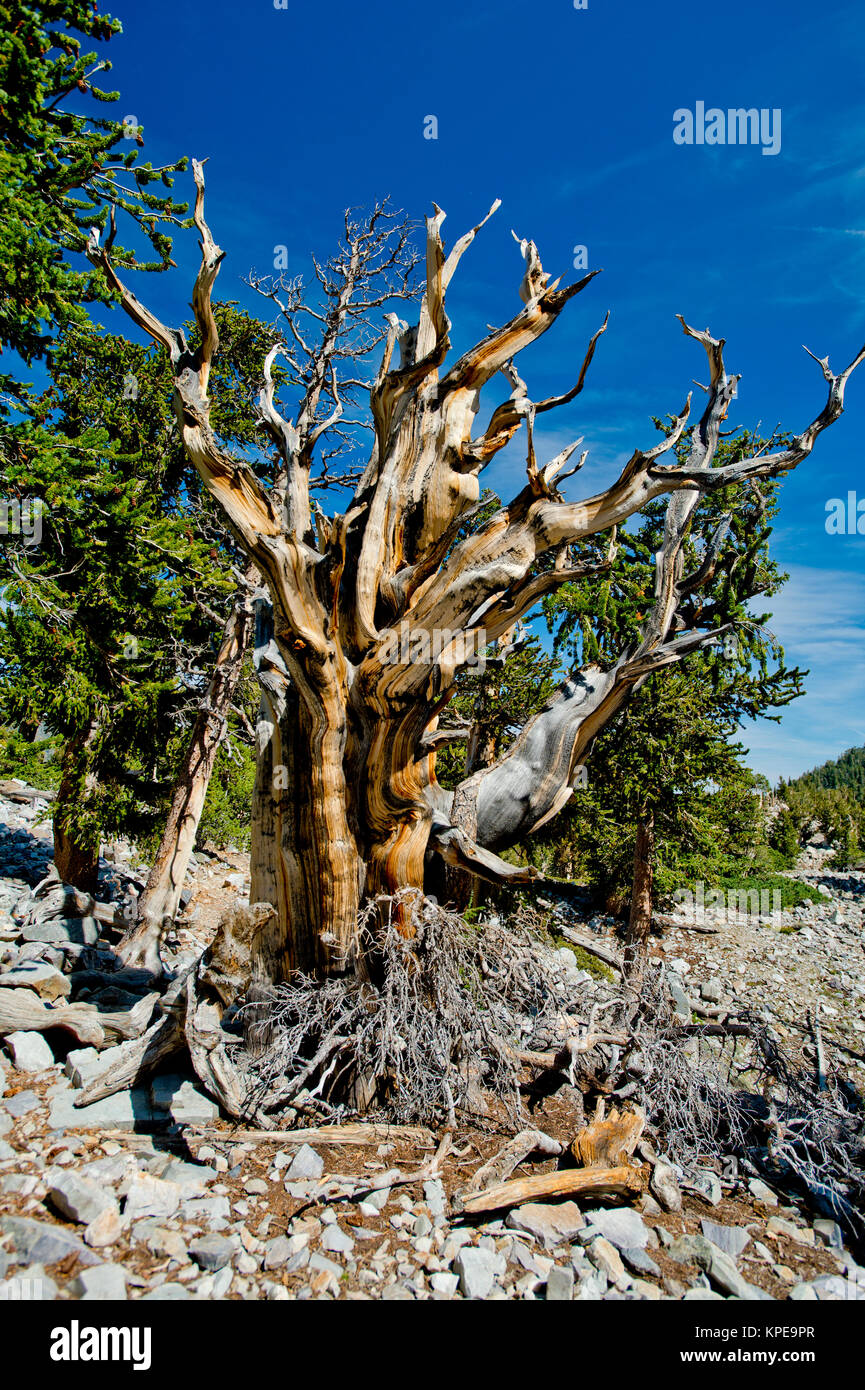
[
  {"x": 640, "y": 921},
  {"x": 376, "y": 609},
  {"x": 160, "y": 898}
]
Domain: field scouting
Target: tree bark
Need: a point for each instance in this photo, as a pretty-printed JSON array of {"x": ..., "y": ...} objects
[
  {"x": 76, "y": 852},
  {"x": 347, "y": 803},
  {"x": 640, "y": 921},
  {"x": 160, "y": 898}
]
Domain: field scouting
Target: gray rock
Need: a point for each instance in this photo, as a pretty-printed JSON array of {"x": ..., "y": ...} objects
[
  {"x": 43, "y": 979},
  {"x": 763, "y": 1194},
  {"x": 803, "y": 1293},
  {"x": 319, "y": 1261},
  {"x": 80, "y": 1200},
  {"x": 712, "y": 991},
  {"x": 30, "y": 1051},
  {"x": 637, "y": 1260},
  {"x": 591, "y": 1288},
  {"x": 560, "y": 1284},
  {"x": 830, "y": 1288},
  {"x": 829, "y": 1233},
  {"x": 621, "y": 1226},
  {"x": 126, "y": 1110},
  {"x": 731, "y": 1239},
  {"x": 706, "y": 1184},
  {"x": 478, "y": 1271},
  {"x": 337, "y": 1241},
  {"x": 149, "y": 1196},
  {"x": 306, "y": 1164},
  {"x": 699, "y": 1295},
  {"x": 213, "y": 1252},
  {"x": 82, "y": 930},
  {"x": 551, "y": 1223},
  {"x": 102, "y": 1283},
  {"x": 664, "y": 1185},
  {"x": 21, "y": 1104},
  {"x": 31, "y": 1285},
  {"x": 213, "y": 1212},
  {"x": 434, "y": 1196},
  {"x": 38, "y": 1242},
  {"x": 82, "y": 1065}
]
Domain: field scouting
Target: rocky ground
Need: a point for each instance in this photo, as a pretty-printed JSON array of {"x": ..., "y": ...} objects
[{"x": 150, "y": 1194}]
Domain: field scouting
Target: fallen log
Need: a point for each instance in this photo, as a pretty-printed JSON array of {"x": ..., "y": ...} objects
[
  {"x": 22, "y": 1011},
  {"x": 570, "y": 1182},
  {"x": 10, "y": 791},
  {"x": 131, "y": 1061},
  {"x": 321, "y": 1134},
  {"x": 594, "y": 948}
]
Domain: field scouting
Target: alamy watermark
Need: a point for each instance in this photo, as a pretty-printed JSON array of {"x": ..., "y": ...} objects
[
  {"x": 77, "y": 1343},
  {"x": 733, "y": 905},
  {"x": 739, "y": 126},
  {"x": 408, "y": 646},
  {"x": 22, "y": 516},
  {"x": 846, "y": 517}
]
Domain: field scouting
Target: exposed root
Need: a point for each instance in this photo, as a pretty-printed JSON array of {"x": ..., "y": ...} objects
[{"x": 450, "y": 1011}]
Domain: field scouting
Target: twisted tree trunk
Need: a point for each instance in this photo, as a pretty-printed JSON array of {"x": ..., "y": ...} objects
[
  {"x": 160, "y": 898},
  {"x": 375, "y": 610}
]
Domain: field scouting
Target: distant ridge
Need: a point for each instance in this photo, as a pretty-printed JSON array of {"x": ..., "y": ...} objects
[{"x": 844, "y": 773}]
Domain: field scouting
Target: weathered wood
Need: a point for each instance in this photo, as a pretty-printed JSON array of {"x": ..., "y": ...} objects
[
  {"x": 594, "y": 947},
  {"x": 10, "y": 791},
  {"x": 607, "y": 1142},
  {"x": 570, "y": 1182},
  {"x": 22, "y": 1010},
  {"x": 350, "y": 710},
  {"x": 351, "y": 1134},
  {"x": 159, "y": 901},
  {"x": 128, "y": 1063},
  {"x": 498, "y": 1168}
]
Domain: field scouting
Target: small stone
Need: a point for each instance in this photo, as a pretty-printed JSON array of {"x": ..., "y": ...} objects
[
  {"x": 829, "y": 1233},
  {"x": 337, "y": 1241},
  {"x": 731, "y": 1239},
  {"x": 80, "y": 1200},
  {"x": 102, "y": 1283},
  {"x": 560, "y": 1284},
  {"x": 777, "y": 1226},
  {"x": 30, "y": 1051},
  {"x": 621, "y": 1227},
  {"x": 434, "y": 1196},
  {"x": 81, "y": 1065},
  {"x": 553, "y": 1224},
  {"x": 21, "y": 1104},
  {"x": 707, "y": 1184},
  {"x": 606, "y": 1258},
  {"x": 39, "y": 1242},
  {"x": 213, "y": 1252},
  {"x": 149, "y": 1196},
  {"x": 638, "y": 1261},
  {"x": 803, "y": 1293},
  {"x": 712, "y": 991},
  {"x": 478, "y": 1271},
  {"x": 45, "y": 980},
  {"x": 306, "y": 1164},
  {"x": 257, "y": 1187},
  {"x": 444, "y": 1283},
  {"x": 664, "y": 1186},
  {"x": 763, "y": 1194}
]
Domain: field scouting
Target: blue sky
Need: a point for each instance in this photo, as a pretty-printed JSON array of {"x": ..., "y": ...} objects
[{"x": 567, "y": 116}]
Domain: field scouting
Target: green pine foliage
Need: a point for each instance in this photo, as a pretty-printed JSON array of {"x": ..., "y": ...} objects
[{"x": 63, "y": 163}]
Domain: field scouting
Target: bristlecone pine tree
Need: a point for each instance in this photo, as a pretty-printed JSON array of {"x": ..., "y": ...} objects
[{"x": 375, "y": 609}]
